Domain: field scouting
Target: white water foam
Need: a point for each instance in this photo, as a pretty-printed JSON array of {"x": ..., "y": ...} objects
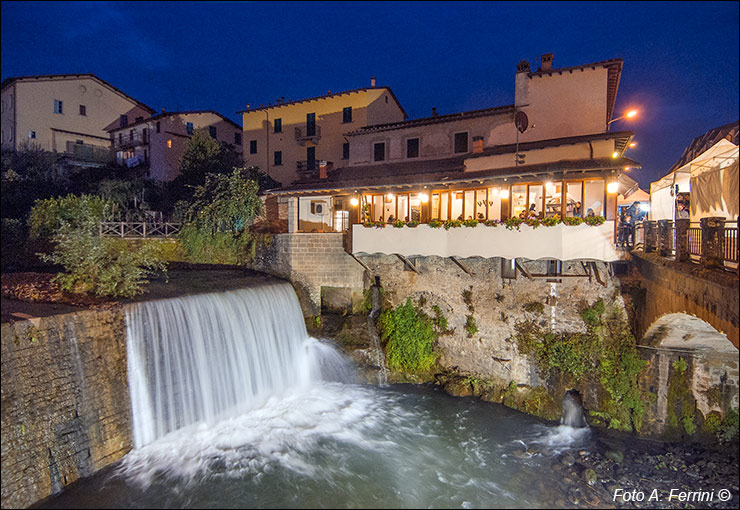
[{"x": 199, "y": 359}]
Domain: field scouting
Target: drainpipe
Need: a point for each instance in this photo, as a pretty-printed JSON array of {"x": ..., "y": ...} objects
[
  {"x": 267, "y": 142},
  {"x": 591, "y": 148}
]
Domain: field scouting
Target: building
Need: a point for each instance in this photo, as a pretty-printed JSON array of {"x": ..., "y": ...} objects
[
  {"x": 65, "y": 113},
  {"x": 550, "y": 154},
  {"x": 158, "y": 142},
  {"x": 288, "y": 138}
]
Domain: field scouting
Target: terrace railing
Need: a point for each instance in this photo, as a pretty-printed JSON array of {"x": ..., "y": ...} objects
[
  {"x": 139, "y": 229},
  {"x": 711, "y": 242}
]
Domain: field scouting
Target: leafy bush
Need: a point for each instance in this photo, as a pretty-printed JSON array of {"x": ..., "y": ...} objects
[
  {"x": 452, "y": 224},
  {"x": 491, "y": 223},
  {"x": 76, "y": 212},
  {"x": 594, "y": 220},
  {"x": 572, "y": 221},
  {"x": 470, "y": 326},
  {"x": 102, "y": 266},
  {"x": 375, "y": 224},
  {"x": 439, "y": 320},
  {"x": 470, "y": 223},
  {"x": 550, "y": 221},
  {"x": 435, "y": 224},
  {"x": 412, "y": 224},
  {"x": 399, "y": 224},
  {"x": 410, "y": 337},
  {"x": 513, "y": 223},
  {"x": 217, "y": 247}
]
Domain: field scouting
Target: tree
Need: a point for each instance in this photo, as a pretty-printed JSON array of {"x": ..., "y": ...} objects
[{"x": 205, "y": 154}]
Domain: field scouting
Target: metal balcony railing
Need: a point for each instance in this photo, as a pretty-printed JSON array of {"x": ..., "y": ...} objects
[
  {"x": 309, "y": 132},
  {"x": 128, "y": 141},
  {"x": 88, "y": 153}
]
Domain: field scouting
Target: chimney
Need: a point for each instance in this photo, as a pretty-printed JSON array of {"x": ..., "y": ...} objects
[
  {"x": 247, "y": 106},
  {"x": 434, "y": 111},
  {"x": 324, "y": 168},
  {"x": 162, "y": 110},
  {"x": 547, "y": 62},
  {"x": 477, "y": 144},
  {"x": 372, "y": 81},
  {"x": 282, "y": 99},
  {"x": 523, "y": 67}
]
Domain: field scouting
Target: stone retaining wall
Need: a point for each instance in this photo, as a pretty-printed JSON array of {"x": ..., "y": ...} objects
[{"x": 65, "y": 402}]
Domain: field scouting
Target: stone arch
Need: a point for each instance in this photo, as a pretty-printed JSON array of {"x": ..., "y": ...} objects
[{"x": 688, "y": 347}]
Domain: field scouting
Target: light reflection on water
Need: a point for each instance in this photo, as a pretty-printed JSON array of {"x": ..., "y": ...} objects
[{"x": 343, "y": 445}]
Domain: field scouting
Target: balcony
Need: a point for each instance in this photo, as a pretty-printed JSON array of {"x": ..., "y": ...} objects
[
  {"x": 561, "y": 242},
  {"x": 310, "y": 133},
  {"x": 129, "y": 142},
  {"x": 88, "y": 153}
]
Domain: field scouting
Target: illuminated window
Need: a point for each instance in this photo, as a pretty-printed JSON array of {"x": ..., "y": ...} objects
[{"x": 169, "y": 144}]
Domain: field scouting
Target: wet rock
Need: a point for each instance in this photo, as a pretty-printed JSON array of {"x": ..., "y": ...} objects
[
  {"x": 567, "y": 460},
  {"x": 519, "y": 454},
  {"x": 615, "y": 455},
  {"x": 590, "y": 476}
]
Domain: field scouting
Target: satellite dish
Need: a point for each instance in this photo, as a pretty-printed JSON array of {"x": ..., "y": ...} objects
[{"x": 521, "y": 121}]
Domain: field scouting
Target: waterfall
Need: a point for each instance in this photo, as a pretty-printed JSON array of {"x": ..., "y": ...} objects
[{"x": 196, "y": 358}]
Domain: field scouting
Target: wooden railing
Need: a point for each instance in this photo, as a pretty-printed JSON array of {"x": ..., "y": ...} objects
[{"x": 138, "y": 229}]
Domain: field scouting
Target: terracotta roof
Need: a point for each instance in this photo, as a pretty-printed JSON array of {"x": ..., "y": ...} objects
[
  {"x": 614, "y": 67},
  {"x": 169, "y": 114},
  {"x": 704, "y": 142},
  {"x": 325, "y": 96},
  {"x": 441, "y": 172},
  {"x": 9, "y": 81},
  {"x": 450, "y": 117},
  {"x": 621, "y": 136}
]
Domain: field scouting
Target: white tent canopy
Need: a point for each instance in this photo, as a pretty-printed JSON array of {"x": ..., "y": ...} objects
[{"x": 715, "y": 196}]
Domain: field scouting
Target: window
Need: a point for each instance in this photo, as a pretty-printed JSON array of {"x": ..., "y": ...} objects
[
  {"x": 124, "y": 120},
  {"x": 310, "y": 124},
  {"x": 345, "y": 151},
  {"x": 253, "y": 146},
  {"x": 278, "y": 158},
  {"x": 379, "y": 151},
  {"x": 593, "y": 198},
  {"x": 83, "y": 110},
  {"x": 461, "y": 142},
  {"x": 157, "y": 126},
  {"x": 169, "y": 143},
  {"x": 412, "y": 148},
  {"x": 58, "y": 106},
  {"x": 79, "y": 142},
  {"x": 237, "y": 138},
  {"x": 189, "y": 127},
  {"x": 138, "y": 119},
  {"x": 574, "y": 197},
  {"x": 144, "y": 135},
  {"x": 32, "y": 134},
  {"x": 347, "y": 115},
  {"x": 278, "y": 125},
  {"x": 212, "y": 131},
  {"x": 120, "y": 138}
]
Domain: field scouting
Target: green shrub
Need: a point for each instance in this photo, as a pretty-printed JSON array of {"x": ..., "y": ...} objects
[
  {"x": 513, "y": 223},
  {"x": 399, "y": 224},
  {"x": 76, "y": 212},
  {"x": 594, "y": 220},
  {"x": 550, "y": 221},
  {"x": 435, "y": 224},
  {"x": 572, "y": 221},
  {"x": 103, "y": 266},
  {"x": 410, "y": 337},
  {"x": 470, "y": 223},
  {"x": 204, "y": 247},
  {"x": 470, "y": 326},
  {"x": 452, "y": 224},
  {"x": 439, "y": 320}
]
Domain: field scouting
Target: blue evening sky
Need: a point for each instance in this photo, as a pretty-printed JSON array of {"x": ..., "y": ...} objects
[{"x": 680, "y": 58}]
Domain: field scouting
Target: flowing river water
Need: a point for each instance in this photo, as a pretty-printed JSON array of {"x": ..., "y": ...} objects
[{"x": 235, "y": 406}]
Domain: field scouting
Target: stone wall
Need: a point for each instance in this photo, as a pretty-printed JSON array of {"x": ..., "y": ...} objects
[
  {"x": 666, "y": 287},
  {"x": 65, "y": 402},
  {"x": 498, "y": 304},
  {"x": 312, "y": 262}
]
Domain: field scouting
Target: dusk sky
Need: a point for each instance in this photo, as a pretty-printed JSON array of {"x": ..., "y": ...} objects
[{"x": 680, "y": 59}]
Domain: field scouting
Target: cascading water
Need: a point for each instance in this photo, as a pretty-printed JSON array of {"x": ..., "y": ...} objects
[{"x": 197, "y": 358}]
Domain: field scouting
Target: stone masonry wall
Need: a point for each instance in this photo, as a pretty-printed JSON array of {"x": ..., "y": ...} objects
[
  {"x": 65, "y": 402},
  {"x": 498, "y": 305},
  {"x": 311, "y": 262}
]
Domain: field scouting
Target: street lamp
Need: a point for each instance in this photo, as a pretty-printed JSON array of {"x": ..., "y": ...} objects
[{"x": 628, "y": 115}]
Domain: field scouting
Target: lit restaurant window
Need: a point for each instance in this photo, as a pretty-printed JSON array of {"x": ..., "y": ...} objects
[{"x": 169, "y": 143}]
